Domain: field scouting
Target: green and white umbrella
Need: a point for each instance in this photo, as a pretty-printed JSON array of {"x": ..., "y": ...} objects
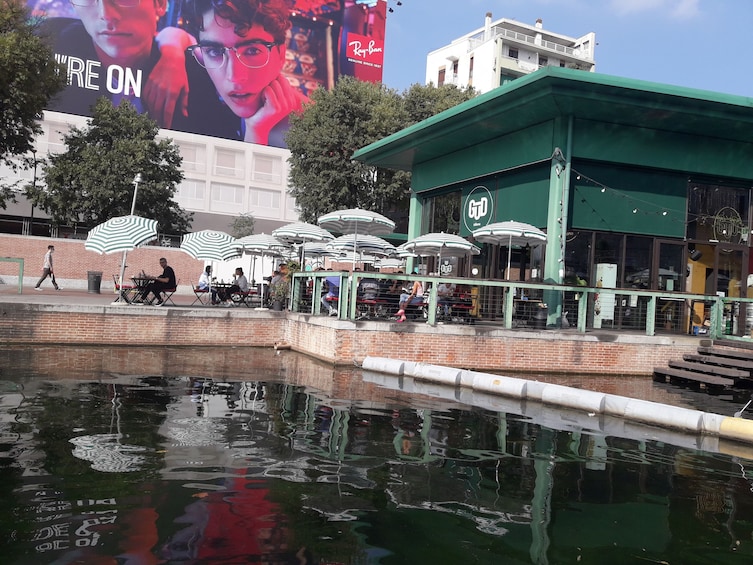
[
  {"x": 302, "y": 232},
  {"x": 260, "y": 244},
  {"x": 510, "y": 233},
  {"x": 357, "y": 222},
  {"x": 123, "y": 233},
  {"x": 210, "y": 245},
  {"x": 440, "y": 245},
  {"x": 369, "y": 244}
]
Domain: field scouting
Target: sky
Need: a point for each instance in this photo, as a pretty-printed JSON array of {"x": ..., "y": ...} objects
[{"x": 703, "y": 44}]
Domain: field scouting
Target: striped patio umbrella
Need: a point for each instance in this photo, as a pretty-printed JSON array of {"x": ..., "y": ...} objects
[
  {"x": 210, "y": 245},
  {"x": 260, "y": 245},
  {"x": 369, "y": 244},
  {"x": 357, "y": 222},
  {"x": 440, "y": 245},
  {"x": 510, "y": 233},
  {"x": 301, "y": 232},
  {"x": 121, "y": 234}
]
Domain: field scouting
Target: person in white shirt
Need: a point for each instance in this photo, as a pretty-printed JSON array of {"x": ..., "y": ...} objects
[
  {"x": 239, "y": 285},
  {"x": 47, "y": 270}
]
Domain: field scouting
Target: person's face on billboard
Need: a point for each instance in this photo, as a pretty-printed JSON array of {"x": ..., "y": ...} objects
[
  {"x": 238, "y": 85},
  {"x": 122, "y": 35}
]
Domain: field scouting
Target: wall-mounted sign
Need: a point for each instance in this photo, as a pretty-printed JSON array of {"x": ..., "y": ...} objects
[
  {"x": 478, "y": 208},
  {"x": 728, "y": 226}
]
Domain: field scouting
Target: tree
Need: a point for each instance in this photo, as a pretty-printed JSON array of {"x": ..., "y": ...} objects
[
  {"x": 323, "y": 138},
  {"x": 242, "y": 226},
  {"x": 92, "y": 180},
  {"x": 325, "y": 135},
  {"x": 29, "y": 77}
]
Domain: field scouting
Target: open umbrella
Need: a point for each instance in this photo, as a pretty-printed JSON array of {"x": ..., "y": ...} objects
[
  {"x": 122, "y": 233},
  {"x": 301, "y": 232},
  {"x": 210, "y": 245},
  {"x": 440, "y": 245},
  {"x": 260, "y": 244},
  {"x": 370, "y": 244},
  {"x": 509, "y": 233},
  {"x": 357, "y": 222}
]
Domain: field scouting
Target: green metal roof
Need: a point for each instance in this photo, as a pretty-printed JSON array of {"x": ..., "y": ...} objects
[{"x": 554, "y": 92}]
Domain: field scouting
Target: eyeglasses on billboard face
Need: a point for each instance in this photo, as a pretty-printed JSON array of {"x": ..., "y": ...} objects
[
  {"x": 119, "y": 3},
  {"x": 253, "y": 54}
]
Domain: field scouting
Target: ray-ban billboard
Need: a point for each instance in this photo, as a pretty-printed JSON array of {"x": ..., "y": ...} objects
[{"x": 234, "y": 69}]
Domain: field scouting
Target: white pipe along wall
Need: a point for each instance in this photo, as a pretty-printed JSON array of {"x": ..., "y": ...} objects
[{"x": 706, "y": 425}]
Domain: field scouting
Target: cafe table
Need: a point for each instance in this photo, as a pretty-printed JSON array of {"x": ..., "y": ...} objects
[{"x": 140, "y": 283}]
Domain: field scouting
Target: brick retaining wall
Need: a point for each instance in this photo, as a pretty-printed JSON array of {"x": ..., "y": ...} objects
[{"x": 343, "y": 342}]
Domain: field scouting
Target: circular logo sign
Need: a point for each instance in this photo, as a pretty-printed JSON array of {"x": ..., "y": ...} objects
[{"x": 478, "y": 208}]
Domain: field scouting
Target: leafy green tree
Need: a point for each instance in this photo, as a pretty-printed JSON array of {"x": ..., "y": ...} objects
[
  {"x": 323, "y": 138},
  {"x": 325, "y": 135},
  {"x": 92, "y": 181},
  {"x": 242, "y": 226},
  {"x": 29, "y": 77}
]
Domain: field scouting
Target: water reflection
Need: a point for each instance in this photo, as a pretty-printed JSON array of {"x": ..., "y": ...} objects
[{"x": 180, "y": 456}]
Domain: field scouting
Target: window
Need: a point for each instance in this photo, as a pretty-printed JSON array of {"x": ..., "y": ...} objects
[
  {"x": 258, "y": 198},
  {"x": 512, "y": 53},
  {"x": 543, "y": 61},
  {"x": 440, "y": 78},
  {"x": 227, "y": 194},
  {"x": 229, "y": 163},
  {"x": 194, "y": 157},
  {"x": 470, "y": 71},
  {"x": 191, "y": 189},
  {"x": 267, "y": 169}
]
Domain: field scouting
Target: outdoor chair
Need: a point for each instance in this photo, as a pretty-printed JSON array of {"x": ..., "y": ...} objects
[
  {"x": 202, "y": 296},
  {"x": 167, "y": 294},
  {"x": 127, "y": 291}
]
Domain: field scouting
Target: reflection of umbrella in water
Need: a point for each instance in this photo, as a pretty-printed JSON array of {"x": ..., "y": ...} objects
[{"x": 510, "y": 233}]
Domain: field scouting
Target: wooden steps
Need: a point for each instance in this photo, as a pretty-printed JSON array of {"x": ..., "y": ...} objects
[{"x": 718, "y": 365}]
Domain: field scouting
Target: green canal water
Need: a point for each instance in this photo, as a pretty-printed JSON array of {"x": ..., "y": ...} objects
[{"x": 235, "y": 455}]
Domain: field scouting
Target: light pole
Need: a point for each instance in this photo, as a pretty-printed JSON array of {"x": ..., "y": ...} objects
[{"x": 136, "y": 181}]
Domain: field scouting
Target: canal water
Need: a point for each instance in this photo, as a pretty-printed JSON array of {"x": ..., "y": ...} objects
[{"x": 237, "y": 455}]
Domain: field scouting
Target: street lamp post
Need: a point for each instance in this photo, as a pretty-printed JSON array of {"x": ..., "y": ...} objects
[{"x": 137, "y": 179}]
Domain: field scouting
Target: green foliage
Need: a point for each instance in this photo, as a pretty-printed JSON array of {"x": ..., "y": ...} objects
[
  {"x": 29, "y": 77},
  {"x": 323, "y": 138},
  {"x": 242, "y": 226},
  {"x": 92, "y": 180}
]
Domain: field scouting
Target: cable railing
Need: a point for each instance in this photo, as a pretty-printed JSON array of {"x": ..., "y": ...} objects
[{"x": 521, "y": 305}]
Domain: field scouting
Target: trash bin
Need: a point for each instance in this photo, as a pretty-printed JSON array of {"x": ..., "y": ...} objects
[{"x": 95, "y": 280}]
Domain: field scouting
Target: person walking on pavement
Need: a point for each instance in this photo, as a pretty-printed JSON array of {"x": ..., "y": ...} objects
[{"x": 47, "y": 270}]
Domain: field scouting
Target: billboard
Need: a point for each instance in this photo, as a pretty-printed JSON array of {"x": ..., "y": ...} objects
[{"x": 234, "y": 69}]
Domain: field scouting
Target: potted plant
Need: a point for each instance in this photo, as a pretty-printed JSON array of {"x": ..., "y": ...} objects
[{"x": 279, "y": 293}]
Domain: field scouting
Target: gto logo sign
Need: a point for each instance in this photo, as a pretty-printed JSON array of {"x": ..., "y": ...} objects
[{"x": 478, "y": 208}]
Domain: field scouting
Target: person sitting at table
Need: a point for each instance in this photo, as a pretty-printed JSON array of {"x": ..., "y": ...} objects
[
  {"x": 333, "y": 292},
  {"x": 445, "y": 292},
  {"x": 163, "y": 282},
  {"x": 240, "y": 284},
  {"x": 415, "y": 296},
  {"x": 205, "y": 283}
]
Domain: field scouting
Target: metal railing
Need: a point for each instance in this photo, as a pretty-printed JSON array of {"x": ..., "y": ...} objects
[{"x": 525, "y": 305}]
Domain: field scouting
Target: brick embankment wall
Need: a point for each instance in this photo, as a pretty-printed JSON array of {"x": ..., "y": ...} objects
[{"x": 341, "y": 342}]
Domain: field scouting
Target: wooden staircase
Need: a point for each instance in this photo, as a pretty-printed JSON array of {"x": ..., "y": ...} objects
[{"x": 718, "y": 365}]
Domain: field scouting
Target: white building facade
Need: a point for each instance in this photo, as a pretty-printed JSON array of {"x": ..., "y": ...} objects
[
  {"x": 223, "y": 179},
  {"x": 504, "y": 50}
]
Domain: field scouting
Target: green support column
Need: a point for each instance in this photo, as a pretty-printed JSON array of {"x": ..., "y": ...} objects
[
  {"x": 415, "y": 217},
  {"x": 556, "y": 224}
]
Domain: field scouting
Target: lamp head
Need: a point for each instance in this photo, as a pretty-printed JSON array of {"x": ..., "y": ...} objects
[{"x": 137, "y": 178}]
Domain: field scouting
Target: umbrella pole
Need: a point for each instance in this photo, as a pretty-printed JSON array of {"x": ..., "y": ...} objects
[
  {"x": 122, "y": 274},
  {"x": 509, "y": 256}
]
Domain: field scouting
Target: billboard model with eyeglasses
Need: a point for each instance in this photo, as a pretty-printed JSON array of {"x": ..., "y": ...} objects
[{"x": 234, "y": 69}]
